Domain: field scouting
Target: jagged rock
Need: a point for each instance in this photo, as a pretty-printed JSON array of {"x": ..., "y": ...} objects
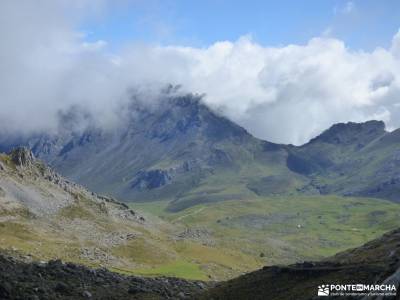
[{"x": 22, "y": 157}]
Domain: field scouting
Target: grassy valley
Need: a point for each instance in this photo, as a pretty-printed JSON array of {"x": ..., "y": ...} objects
[{"x": 278, "y": 230}]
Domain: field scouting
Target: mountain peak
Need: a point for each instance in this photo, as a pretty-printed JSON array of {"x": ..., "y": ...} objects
[
  {"x": 186, "y": 100},
  {"x": 352, "y": 133},
  {"x": 189, "y": 115}
]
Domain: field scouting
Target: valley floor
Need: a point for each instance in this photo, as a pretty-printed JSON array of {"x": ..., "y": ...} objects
[{"x": 231, "y": 237}]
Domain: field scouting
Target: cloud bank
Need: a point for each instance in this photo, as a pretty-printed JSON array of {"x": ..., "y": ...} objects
[{"x": 283, "y": 94}]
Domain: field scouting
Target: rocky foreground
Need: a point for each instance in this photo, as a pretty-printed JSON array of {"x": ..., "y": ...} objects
[{"x": 58, "y": 280}]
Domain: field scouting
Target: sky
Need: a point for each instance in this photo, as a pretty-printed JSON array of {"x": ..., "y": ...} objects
[
  {"x": 365, "y": 24},
  {"x": 284, "y": 70}
]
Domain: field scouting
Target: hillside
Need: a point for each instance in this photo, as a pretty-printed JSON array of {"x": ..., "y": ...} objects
[
  {"x": 44, "y": 216},
  {"x": 42, "y": 213},
  {"x": 353, "y": 159},
  {"x": 376, "y": 262}
]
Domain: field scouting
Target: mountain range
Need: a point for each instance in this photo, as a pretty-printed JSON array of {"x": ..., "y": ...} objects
[
  {"x": 182, "y": 151},
  {"x": 202, "y": 199}
]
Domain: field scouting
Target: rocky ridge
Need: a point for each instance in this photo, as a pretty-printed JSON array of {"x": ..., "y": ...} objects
[{"x": 27, "y": 167}]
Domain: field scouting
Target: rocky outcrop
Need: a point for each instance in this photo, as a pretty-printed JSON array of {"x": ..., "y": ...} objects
[
  {"x": 35, "y": 180},
  {"x": 22, "y": 157}
]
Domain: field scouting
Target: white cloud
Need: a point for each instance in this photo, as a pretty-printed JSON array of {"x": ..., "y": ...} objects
[
  {"x": 284, "y": 94},
  {"x": 395, "y": 48}
]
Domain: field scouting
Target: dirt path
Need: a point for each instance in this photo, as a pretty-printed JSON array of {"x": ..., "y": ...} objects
[{"x": 189, "y": 214}]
